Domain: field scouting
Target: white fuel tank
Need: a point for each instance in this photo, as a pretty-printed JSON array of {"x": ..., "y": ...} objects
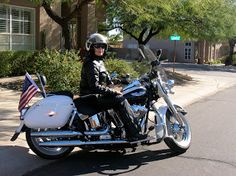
[{"x": 50, "y": 112}]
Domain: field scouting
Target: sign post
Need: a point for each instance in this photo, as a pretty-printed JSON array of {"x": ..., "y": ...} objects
[{"x": 174, "y": 38}]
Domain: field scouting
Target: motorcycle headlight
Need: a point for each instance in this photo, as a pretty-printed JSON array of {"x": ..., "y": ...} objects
[{"x": 169, "y": 85}]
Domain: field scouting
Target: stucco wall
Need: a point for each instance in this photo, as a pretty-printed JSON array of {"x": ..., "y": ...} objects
[
  {"x": 23, "y": 3},
  {"x": 168, "y": 48},
  {"x": 51, "y": 30}
]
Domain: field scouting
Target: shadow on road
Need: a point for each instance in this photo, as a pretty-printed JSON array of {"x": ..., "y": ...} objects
[
  {"x": 104, "y": 163},
  {"x": 17, "y": 160}
]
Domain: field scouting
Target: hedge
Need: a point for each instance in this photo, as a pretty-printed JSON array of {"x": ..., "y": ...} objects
[
  {"x": 6, "y": 63},
  {"x": 62, "y": 70}
]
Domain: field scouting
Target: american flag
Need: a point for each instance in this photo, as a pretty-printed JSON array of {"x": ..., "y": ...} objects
[{"x": 29, "y": 90}]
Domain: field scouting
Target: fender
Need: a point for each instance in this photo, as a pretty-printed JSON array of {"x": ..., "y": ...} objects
[
  {"x": 160, "y": 119},
  {"x": 161, "y": 128},
  {"x": 180, "y": 109},
  {"x": 163, "y": 109}
]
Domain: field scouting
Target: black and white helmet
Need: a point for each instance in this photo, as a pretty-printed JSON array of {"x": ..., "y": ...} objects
[{"x": 96, "y": 38}]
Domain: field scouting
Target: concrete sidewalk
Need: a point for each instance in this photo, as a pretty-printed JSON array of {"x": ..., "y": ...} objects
[{"x": 17, "y": 159}]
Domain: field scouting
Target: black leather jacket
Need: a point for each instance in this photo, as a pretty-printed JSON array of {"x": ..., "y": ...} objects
[{"x": 95, "y": 78}]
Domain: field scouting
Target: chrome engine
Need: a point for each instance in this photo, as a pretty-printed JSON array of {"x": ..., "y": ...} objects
[
  {"x": 139, "y": 111},
  {"x": 94, "y": 121}
]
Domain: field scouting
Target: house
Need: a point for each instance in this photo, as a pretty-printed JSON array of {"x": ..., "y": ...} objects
[
  {"x": 26, "y": 26},
  {"x": 183, "y": 51}
]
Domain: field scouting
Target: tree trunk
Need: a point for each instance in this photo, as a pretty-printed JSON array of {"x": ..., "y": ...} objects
[
  {"x": 64, "y": 21},
  {"x": 144, "y": 40},
  {"x": 66, "y": 35},
  {"x": 229, "y": 59}
]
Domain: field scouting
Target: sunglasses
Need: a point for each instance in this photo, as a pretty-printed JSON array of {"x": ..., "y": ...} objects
[{"x": 100, "y": 45}]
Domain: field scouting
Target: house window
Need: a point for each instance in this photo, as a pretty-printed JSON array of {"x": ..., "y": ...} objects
[
  {"x": 17, "y": 28},
  {"x": 188, "y": 44},
  {"x": 187, "y": 51},
  {"x": 187, "y": 54}
]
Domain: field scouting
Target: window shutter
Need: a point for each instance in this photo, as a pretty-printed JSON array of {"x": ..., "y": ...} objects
[
  {"x": 3, "y": 12},
  {"x": 3, "y": 26},
  {"x": 27, "y": 16},
  {"x": 15, "y": 27},
  {"x": 3, "y": 21},
  {"x": 15, "y": 14}
]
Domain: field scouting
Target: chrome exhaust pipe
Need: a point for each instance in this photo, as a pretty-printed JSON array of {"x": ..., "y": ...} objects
[
  {"x": 56, "y": 134},
  {"x": 79, "y": 143},
  {"x": 96, "y": 133},
  {"x": 68, "y": 133}
]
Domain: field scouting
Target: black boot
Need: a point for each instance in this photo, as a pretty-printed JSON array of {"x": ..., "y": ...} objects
[
  {"x": 137, "y": 137},
  {"x": 132, "y": 129},
  {"x": 133, "y": 133}
]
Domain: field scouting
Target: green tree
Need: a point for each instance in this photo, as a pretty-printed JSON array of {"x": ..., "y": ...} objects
[
  {"x": 229, "y": 59},
  {"x": 138, "y": 18},
  {"x": 198, "y": 19},
  {"x": 230, "y": 31}
]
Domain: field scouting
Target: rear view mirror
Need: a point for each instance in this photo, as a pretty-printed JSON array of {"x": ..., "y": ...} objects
[{"x": 43, "y": 80}]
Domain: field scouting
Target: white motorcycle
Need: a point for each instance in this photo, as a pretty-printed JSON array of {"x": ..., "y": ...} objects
[{"x": 55, "y": 124}]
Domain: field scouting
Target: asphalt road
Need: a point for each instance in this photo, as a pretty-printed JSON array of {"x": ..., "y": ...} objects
[
  {"x": 16, "y": 158},
  {"x": 212, "y": 153}
]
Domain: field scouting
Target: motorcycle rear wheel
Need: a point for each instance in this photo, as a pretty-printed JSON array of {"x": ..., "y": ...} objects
[
  {"x": 178, "y": 138},
  {"x": 46, "y": 152}
]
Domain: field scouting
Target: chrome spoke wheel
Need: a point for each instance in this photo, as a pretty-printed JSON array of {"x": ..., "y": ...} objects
[
  {"x": 178, "y": 136},
  {"x": 46, "y": 152}
]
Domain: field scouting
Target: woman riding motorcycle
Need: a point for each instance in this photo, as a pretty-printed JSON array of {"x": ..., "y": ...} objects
[{"x": 95, "y": 80}]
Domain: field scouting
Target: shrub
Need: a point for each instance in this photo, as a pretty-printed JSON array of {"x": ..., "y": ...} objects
[
  {"x": 141, "y": 67},
  {"x": 227, "y": 60},
  {"x": 5, "y": 63},
  {"x": 121, "y": 67},
  {"x": 23, "y": 61},
  {"x": 61, "y": 69},
  {"x": 234, "y": 59},
  {"x": 15, "y": 63},
  {"x": 217, "y": 61}
]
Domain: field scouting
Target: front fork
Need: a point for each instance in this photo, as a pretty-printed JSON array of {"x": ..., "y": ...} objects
[
  {"x": 172, "y": 107},
  {"x": 160, "y": 116}
]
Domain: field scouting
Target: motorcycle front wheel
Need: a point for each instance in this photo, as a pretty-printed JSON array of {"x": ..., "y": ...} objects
[
  {"x": 178, "y": 137},
  {"x": 46, "y": 152}
]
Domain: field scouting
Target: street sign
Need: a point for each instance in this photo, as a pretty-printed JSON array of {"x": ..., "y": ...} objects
[{"x": 174, "y": 37}]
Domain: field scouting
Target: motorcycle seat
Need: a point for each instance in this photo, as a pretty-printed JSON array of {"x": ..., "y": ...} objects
[{"x": 87, "y": 104}]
